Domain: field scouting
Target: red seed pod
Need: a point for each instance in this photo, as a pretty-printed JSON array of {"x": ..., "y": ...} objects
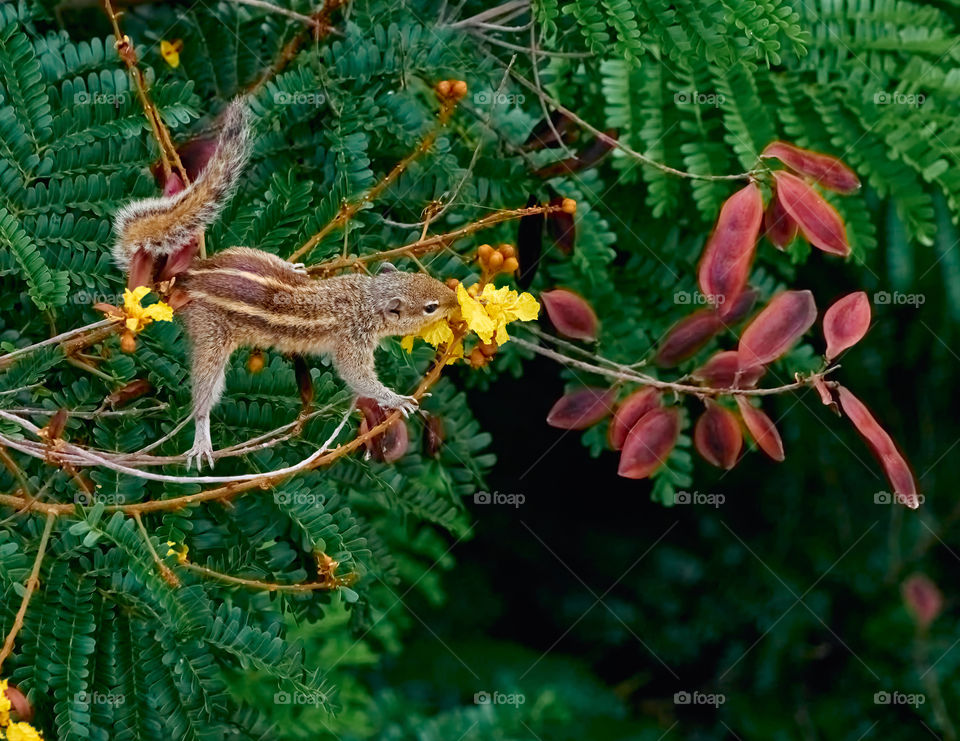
[
  {"x": 129, "y": 392},
  {"x": 728, "y": 255},
  {"x": 846, "y": 322},
  {"x": 561, "y": 227},
  {"x": 687, "y": 336},
  {"x": 631, "y": 410},
  {"x": 775, "y": 329},
  {"x": 717, "y": 436},
  {"x": 649, "y": 443},
  {"x": 722, "y": 371},
  {"x": 21, "y": 710},
  {"x": 390, "y": 445},
  {"x": 543, "y": 135},
  {"x": 570, "y": 314},
  {"x": 828, "y": 171},
  {"x": 762, "y": 429},
  {"x": 779, "y": 227},
  {"x": 582, "y": 408},
  {"x": 594, "y": 152},
  {"x": 825, "y": 394},
  {"x": 433, "y": 436},
  {"x": 818, "y": 221},
  {"x": 741, "y": 307},
  {"x": 894, "y": 464},
  {"x": 923, "y": 599}
]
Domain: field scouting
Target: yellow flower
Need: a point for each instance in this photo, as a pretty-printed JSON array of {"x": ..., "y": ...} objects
[
  {"x": 170, "y": 51},
  {"x": 180, "y": 554},
  {"x": 4, "y": 703},
  {"x": 137, "y": 316},
  {"x": 22, "y": 732},
  {"x": 489, "y": 314}
]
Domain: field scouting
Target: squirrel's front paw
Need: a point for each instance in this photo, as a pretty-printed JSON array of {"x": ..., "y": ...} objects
[
  {"x": 406, "y": 404},
  {"x": 201, "y": 450}
]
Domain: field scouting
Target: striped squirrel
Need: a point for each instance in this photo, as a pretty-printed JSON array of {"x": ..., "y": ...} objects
[{"x": 243, "y": 297}]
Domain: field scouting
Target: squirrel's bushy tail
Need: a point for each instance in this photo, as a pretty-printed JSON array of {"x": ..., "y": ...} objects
[{"x": 160, "y": 226}]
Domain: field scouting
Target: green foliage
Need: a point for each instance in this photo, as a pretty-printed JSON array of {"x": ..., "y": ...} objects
[{"x": 113, "y": 646}]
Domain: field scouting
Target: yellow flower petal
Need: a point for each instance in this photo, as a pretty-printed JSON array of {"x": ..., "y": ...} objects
[
  {"x": 170, "y": 51},
  {"x": 22, "y": 732},
  {"x": 475, "y": 315},
  {"x": 159, "y": 312},
  {"x": 5, "y": 704}
]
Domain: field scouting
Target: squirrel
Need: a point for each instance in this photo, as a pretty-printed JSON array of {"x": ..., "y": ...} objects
[{"x": 244, "y": 297}]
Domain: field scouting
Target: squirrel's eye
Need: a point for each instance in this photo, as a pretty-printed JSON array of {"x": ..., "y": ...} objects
[{"x": 430, "y": 307}]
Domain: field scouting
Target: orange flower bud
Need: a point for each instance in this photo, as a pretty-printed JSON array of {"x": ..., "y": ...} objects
[
  {"x": 255, "y": 362},
  {"x": 459, "y": 88},
  {"x": 495, "y": 261},
  {"x": 507, "y": 250},
  {"x": 484, "y": 251},
  {"x": 568, "y": 206},
  {"x": 510, "y": 265},
  {"x": 443, "y": 88},
  {"x": 128, "y": 343}
]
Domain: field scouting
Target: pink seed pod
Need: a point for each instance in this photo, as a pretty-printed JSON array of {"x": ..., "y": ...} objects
[
  {"x": 649, "y": 443},
  {"x": 818, "y": 221},
  {"x": 631, "y": 410},
  {"x": 894, "y": 464},
  {"x": 846, "y": 322},
  {"x": 582, "y": 408},
  {"x": 777, "y": 328},
  {"x": 570, "y": 314},
  {"x": 687, "y": 336},
  {"x": 722, "y": 371},
  {"x": 717, "y": 436},
  {"x": 727, "y": 258},
  {"x": 778, "y": 225},
  {"x": 923, "y": 599},
  {"x": 827, "y": 171},
  {"x": 762, "y": 429}
]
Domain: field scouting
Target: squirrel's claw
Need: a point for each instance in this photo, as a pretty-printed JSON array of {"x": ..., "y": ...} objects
[
  {"x": 299, "y": 267},
  {"x": 406, "y": 405},
  {"x": 197, "y": 454}
]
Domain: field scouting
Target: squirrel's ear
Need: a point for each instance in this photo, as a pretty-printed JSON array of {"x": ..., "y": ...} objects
[
  {"x": 387, "y": 267},
  {"x": 392, "y": 306}
]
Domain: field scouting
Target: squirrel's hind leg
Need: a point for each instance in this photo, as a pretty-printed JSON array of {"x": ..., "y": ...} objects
[{"x": 210, "y": 351}]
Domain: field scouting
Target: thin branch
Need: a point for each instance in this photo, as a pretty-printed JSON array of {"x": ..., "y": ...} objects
[
  {"x": 31, "y": 586},
  {"x": 609, "y": 139},
  {"x": 349, "y": 209},
  {"x": 310, "y": 21},
  {"x": 431, "y": 244},
  {"x": 680, "y": 388},
  {"x": 6, "y": 360},
  {"x": 256, "y": 583}
]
